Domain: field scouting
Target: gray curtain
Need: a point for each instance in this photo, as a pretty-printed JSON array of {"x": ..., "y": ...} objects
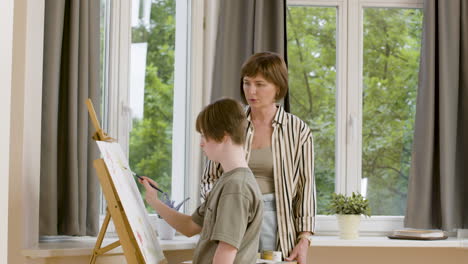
[
  {"x": 245, "y": 27},
  {"x": 438, "y": 184},
  {"x": 69, "y": 191}
]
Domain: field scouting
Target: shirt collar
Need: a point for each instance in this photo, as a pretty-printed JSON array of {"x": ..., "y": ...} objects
[{"x": 280, "y": 117}]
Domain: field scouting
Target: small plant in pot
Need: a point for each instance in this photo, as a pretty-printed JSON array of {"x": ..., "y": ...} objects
[{"x": 348, "y": 211}]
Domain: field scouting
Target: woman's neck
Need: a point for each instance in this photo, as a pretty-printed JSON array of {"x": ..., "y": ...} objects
[{"x": 264, "y": 114}]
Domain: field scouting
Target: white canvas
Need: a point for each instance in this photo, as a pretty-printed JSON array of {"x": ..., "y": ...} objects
[{"x": 132, "y": 203}]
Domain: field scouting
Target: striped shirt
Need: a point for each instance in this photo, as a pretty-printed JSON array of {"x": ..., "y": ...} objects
[{"x": 293, "y": 169}]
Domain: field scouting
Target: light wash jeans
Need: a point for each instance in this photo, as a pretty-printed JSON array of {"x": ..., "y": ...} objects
[{"x": 269, "y": 229}]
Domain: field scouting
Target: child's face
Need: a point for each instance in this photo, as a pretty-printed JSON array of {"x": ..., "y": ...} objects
[{"x": 210, "y": 147}]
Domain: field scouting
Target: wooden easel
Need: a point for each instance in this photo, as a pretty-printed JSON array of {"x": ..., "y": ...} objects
[
  {"x": 114, "y": 208},
  {"x": 99, "y": 135}
]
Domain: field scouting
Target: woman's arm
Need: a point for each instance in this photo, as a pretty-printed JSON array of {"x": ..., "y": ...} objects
[
  {"x": 224, "y": 254},
  {"x": 181, "y": 222},
  {"x": 299, "y": 251},
  {"x": 305, "y": 208}
]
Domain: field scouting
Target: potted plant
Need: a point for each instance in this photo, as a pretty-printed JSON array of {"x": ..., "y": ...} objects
[
  {"x": 348, "y": 211},
  {"x": 166, "y": 231}
]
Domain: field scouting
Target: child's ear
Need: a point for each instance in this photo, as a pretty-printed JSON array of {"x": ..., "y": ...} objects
[{"x": 226, "y": 137}]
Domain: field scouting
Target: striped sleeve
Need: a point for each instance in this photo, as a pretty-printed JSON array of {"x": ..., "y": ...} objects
[
  {"x": 211, "y": 173},
  {"x": 305, "y": 208}
]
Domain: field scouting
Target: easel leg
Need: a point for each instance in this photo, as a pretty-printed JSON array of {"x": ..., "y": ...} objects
[{"x": 100, "y": 237}]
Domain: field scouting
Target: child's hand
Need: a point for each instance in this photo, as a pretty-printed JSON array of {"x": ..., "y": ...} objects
[{"x": 151, "y": 194}]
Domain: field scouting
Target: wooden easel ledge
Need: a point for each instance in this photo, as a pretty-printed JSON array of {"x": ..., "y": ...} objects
[{"x": 100, "y": 135}]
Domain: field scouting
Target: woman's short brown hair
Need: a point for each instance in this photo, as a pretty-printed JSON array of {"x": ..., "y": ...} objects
[
  {"x": 271, "y": 66},
  {"x": 224, "y": 116}
]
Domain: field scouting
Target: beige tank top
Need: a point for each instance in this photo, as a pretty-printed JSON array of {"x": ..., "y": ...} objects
[{"x": 261, "y": 164}]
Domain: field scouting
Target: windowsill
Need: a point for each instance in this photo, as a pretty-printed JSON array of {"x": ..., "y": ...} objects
[
  {"x": 383, "y": 241},
  {"x": 83, "y": 246}
]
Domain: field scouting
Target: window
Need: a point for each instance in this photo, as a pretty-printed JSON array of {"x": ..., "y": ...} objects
[
  {"x": 151, "y": 91},
  {"x": 353, "y": 79},
  {"x": 104, "y": 30},
  {"x": 145, "y": 65},
  {"x": 312, "y": 78},
  {"x": 353, "y": 69},
  {"x": 391, "y": 50}
]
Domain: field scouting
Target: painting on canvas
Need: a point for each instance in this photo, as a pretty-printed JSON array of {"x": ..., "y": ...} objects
[{"x": 132, "y": 203}]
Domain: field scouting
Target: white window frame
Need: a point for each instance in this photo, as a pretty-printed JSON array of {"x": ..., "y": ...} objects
[
  {"x": 348, "y": 147},
  {"x": 188, "y": 67}
]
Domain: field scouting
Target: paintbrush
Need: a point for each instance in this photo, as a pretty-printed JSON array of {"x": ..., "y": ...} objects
[{"x": 152, "y": 185}]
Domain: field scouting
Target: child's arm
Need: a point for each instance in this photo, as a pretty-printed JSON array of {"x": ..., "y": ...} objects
[
  {"x": 181, "y": 222},
  {"x": 225, "y": 253}
]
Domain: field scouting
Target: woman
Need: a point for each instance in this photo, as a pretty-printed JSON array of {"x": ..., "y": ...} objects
[{"x": 279, "y": 149}]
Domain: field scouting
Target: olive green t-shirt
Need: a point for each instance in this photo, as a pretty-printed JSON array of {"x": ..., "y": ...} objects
[{"x": 232, "y": 213}]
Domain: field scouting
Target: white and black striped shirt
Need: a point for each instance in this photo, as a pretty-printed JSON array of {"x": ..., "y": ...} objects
[{"x": 293, "y": 170}]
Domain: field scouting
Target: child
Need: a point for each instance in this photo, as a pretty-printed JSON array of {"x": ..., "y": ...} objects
[{"x": 230, "y": 218}]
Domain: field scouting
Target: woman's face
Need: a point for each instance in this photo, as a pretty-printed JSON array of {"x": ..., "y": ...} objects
[{"x": 259, "y": 92}]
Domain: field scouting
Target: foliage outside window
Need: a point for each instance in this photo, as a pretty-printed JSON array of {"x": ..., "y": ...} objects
[
  {"x": 312, "y": 81},
  {"x": 391, "y": 47},
  {"x": 390, "y": 80},
  {"x": 151, "y": 136}
]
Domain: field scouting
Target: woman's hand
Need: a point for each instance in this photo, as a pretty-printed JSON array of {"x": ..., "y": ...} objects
[
  {"x": 299, "y": 252},
  {"x": 151, "y": 195}
]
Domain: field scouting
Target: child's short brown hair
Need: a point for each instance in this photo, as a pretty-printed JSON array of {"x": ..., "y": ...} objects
[
  {"x": 271, "y": 66},
  {"x": 224, "y": 116}
]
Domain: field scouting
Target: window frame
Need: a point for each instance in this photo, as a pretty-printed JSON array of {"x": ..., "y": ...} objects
[
  {"x": 188, "y": 92},
  {"x": 348, "y": 146}
]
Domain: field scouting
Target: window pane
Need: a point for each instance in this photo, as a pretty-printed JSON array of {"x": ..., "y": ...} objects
[
  {"x": 312, "y": 82},
  {"x": 152, "y": 89},
  {"x": 104, "y": 15},
  {"x": 390, "y": 78},
  {"x": 105, "y": 7}
]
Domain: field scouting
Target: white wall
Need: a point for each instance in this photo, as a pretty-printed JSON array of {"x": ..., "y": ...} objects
[
  {"x": 6, "y": 47},
  {"x": 32, "y": 113},
  {"x": 24, "y": 126}
]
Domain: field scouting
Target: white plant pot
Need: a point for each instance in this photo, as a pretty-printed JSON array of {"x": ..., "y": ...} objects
[
  {"x": 349, "y": 226},
  {"x": 165, "y": 231}
]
